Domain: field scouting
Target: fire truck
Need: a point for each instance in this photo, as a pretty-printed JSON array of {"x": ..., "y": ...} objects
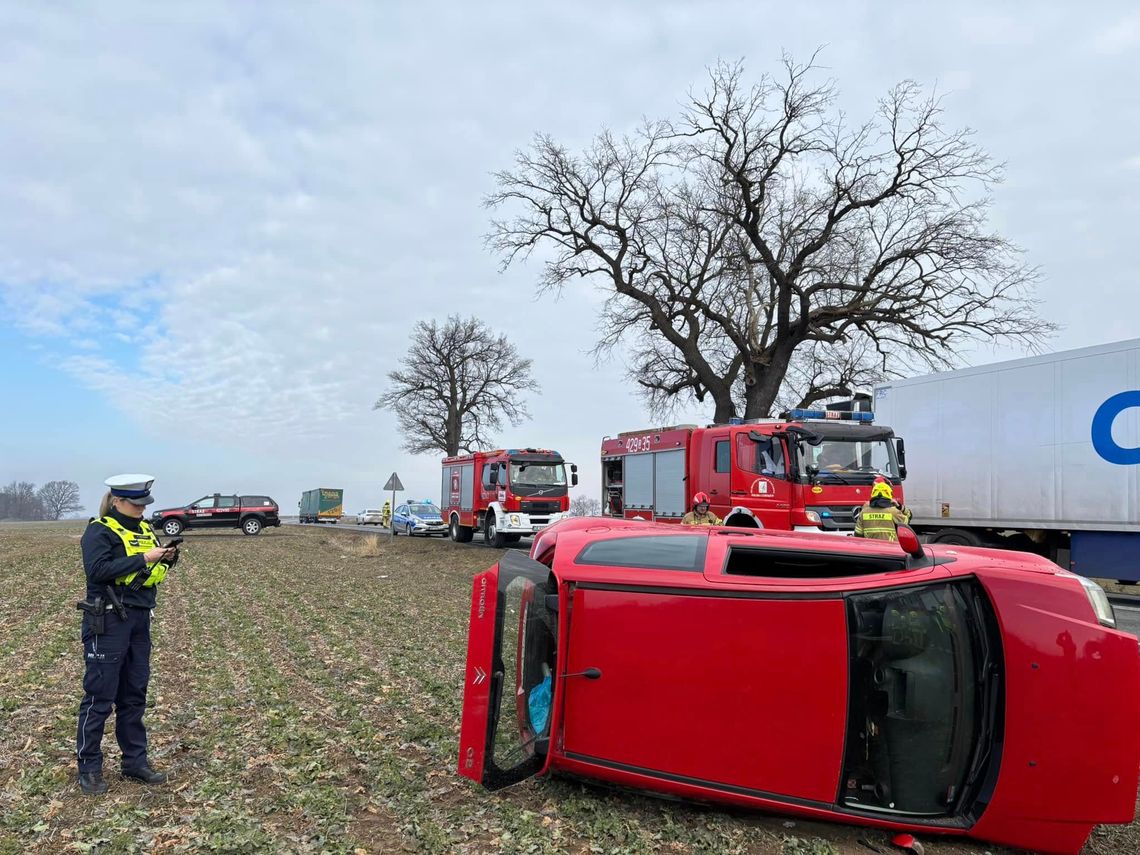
[
  {"x": 506, "y": 494},
  {"x": 809, "y": 470}
]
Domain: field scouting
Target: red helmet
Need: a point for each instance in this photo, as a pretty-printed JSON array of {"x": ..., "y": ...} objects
[{"x": 701, "y": 498}]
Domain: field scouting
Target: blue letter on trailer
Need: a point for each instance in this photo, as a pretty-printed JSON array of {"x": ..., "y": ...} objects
[{"x": 1102, "y": 439}]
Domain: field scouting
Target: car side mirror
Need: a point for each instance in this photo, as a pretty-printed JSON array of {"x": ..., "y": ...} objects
[{"x": 909, "y": 541}]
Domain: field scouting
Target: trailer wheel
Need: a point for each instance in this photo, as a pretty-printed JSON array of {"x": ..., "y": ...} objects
[
  {"x": 491, "y": 535},
  {"x": 956, "y": 537},
  {"x": 459, "y": 533}
]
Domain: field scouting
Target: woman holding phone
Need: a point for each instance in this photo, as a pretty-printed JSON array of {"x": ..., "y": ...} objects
[{"x": 124, "y": 564}]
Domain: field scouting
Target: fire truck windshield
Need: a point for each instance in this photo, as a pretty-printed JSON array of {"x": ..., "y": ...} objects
[
  {"x": 527, "y": 474},
  {"x": 852, "y": 460}
]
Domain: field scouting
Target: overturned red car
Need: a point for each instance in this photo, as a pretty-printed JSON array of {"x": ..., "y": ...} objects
[{"x": 939, "y": 690}]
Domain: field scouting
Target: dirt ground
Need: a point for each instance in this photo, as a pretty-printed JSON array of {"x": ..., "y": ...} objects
[{"x": 305, "y": 697}]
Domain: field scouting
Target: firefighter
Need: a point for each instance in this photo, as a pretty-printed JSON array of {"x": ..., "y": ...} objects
[
  {"x": 880, "y": 518},
  {"x": 124, "y": 563},
  {"x": 386, "y": 514},
  {"x": 700, "y": 514}
]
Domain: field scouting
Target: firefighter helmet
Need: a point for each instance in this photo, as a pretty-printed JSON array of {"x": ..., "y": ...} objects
[
  {"x": 701, "y": 498},
  {"x": 882, "y": 490}
]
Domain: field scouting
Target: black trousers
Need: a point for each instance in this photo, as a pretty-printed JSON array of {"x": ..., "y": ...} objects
[{"x": 118, "y": 671}]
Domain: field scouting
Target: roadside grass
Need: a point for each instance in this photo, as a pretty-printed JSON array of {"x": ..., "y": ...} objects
[{"x": 305, "y": 697}]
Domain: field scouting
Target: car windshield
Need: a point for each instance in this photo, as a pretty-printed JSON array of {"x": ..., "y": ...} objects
[
  {"x": 538, "y": 474},
  {"x": 424, "y": 510},
  {"x": 852, "y": 460}
]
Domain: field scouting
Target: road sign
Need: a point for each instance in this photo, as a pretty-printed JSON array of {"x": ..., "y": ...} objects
[{"x": 394, "y": 483}]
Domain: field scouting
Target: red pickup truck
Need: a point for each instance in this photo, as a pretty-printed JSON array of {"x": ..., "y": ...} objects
[{"x": 249, "y": 513}]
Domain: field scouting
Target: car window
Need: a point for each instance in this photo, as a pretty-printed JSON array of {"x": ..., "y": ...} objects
[
  {"x": 204, "y": 502},
  {"x": 668, "y": 552},
  {"x": 424, "y": 510},
  {"x": 227, "y": 501},
  {"x": 252, "y": 501},
  {"x": 403, "y": 509}
]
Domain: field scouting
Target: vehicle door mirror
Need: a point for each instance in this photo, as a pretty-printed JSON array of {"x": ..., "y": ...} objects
[
  {"x": 900, "y": 452},
  {"x": 493, "y": 476},
  {"x": 573, "y": 475}
]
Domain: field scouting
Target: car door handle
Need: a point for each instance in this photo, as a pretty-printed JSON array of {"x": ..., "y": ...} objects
[
  {"x": 714, "y": 492},
  {"x": 589, "y": 674},
  {"x": 740, "y": 492}
]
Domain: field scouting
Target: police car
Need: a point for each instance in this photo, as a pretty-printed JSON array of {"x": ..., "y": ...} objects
[{"x": 418, "y": 518}]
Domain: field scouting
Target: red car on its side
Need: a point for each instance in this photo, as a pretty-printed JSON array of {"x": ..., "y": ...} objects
[{"x": 943, "y": 690}]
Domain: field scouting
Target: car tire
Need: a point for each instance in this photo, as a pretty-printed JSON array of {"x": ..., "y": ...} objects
[
  {"x": 459, "y": 533},
  {"x": 956, "y": 537},
  {"x": 395, "y": 531},
  {"x": 492, "y": 537},
  {"x": 251, "y": 526},
  {"x": 172, "y": 527},
  {"x": 408, "y": 530}
]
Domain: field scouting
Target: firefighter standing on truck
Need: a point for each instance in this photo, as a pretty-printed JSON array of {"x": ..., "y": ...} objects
[
  {"x": 700, "y": 514},
  {"x": 124, "y": 563},
  {"x": 880, "y": 518}
]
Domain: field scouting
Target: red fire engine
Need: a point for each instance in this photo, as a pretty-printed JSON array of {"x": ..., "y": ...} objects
[
  {"x": 506, "y": 494},
  {"x": 809, "y": 471}
]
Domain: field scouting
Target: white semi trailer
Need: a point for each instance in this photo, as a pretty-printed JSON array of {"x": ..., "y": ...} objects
[{"x": 1040, "y": 454}]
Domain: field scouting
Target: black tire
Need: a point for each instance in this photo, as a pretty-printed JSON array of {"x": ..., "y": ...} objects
[
  {"x": 459, "y": 533},
  {"x": 408, "y": 529},
  {"x": 956, "y": 537},
  {"x": 395, "y": 531},
  {"x": 172, "y": 527},
  {"x": 513, "y": 538},
  {"x": 492, "y": 537},
  {"x": 251, "y": 526}
]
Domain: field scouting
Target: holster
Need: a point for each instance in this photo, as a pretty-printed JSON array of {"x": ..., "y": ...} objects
[{"x": 96, "y": 614}]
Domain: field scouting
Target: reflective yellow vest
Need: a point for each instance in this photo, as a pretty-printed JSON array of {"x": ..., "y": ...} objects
[
  {"x": 136, "y": 543},
  {"x": 880, "y": 523}
]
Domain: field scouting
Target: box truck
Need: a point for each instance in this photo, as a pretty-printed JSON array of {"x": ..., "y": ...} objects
[
  {"x": 1039, "y": 454},
  {"x": 322, "y": 505}
]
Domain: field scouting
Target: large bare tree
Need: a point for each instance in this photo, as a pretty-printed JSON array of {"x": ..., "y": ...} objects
[
  {"x": 761, "y": 242},
  {"x": 59, "y": 498},
  {"x": 456, "y": 384}
]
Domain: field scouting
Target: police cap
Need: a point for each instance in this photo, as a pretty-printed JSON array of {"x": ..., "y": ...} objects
[{"x": 134, "y": 488}]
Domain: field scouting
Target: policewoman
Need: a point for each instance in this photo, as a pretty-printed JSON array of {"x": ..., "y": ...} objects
[{"x": 124, "y": 564}]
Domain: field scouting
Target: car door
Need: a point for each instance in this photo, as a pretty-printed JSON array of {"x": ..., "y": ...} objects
[
  {"x": 226, "y": 512},
  {"x": 744, "y": 693},
  {"x": 200, "y": 514},
  {"x": 509, "y": 691}
]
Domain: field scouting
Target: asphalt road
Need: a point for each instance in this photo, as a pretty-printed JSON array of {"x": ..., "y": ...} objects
[{"x": 1127, "y": 616}]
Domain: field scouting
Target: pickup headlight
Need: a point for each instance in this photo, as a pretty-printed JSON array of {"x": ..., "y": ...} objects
[{"x": 1098, "y": 599}]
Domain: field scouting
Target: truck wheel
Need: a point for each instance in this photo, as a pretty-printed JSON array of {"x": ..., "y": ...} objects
[
  {"x": 172, "y": 528},
  {"x": 512, "y": 538},
  {"x": 491, "y": 536},
  {"x": 459, "y": 533},
  {"x": 956, "y": 537},
  {"x": 251, "y": 526}
]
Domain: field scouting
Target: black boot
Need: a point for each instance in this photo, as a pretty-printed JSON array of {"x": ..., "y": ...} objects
[
  {"x": 145, "y": 774},
  {"x": 92, "y": 783}
]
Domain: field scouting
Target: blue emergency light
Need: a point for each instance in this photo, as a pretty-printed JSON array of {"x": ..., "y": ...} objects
[{"x": 843, "y": 415}]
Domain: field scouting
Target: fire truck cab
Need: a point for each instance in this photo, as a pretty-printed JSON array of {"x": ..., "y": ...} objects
[
  {"x": 808, "y": 471},
  {"x": 506, "y": 494}
]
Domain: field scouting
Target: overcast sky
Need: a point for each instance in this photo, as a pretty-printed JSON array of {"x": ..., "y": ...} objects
[{"x": 219, "y": 222}]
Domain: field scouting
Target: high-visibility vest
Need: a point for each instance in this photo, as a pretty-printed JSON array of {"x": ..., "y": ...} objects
[
  {"x": 136, "y": 543},
  {"x": 880, "y": 523}
]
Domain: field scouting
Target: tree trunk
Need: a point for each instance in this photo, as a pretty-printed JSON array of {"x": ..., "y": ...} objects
[{"x": 759, "y": 397}]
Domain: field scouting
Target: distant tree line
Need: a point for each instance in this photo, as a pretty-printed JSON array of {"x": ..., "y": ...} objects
[{"x": 21, "y": 500}]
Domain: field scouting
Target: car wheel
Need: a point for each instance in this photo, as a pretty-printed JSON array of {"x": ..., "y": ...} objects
[
  {"x": 395, "y": 531},
  {"x": 172, "y": 528},
  {"x": 408, "y": 530},
  {"x": 491, "y": 535},
  {"x": 251, "y": 526}
]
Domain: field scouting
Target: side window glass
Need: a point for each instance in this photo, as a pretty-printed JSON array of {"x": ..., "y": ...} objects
[
  {"x": 722, "y": 464},
  {"x": 764, "y": 457},
  {"x": 227, "y": 501},
  {"x": 487, "y": 477}
]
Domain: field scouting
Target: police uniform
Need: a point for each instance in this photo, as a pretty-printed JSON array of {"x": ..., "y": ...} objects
[{"x": 116, "y": 641}]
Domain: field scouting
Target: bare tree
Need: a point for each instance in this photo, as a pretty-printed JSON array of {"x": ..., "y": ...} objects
[
  {"x": 761, "y": 234},
  {"x": 18, "y": 501},
  {"x": 458, "y": 382},
  {"x": 59, "y": 498},
  {"x": 585, "y": 506}
]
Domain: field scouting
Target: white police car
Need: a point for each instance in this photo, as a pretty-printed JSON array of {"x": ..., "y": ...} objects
[{"x": 418, "y": 518}]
